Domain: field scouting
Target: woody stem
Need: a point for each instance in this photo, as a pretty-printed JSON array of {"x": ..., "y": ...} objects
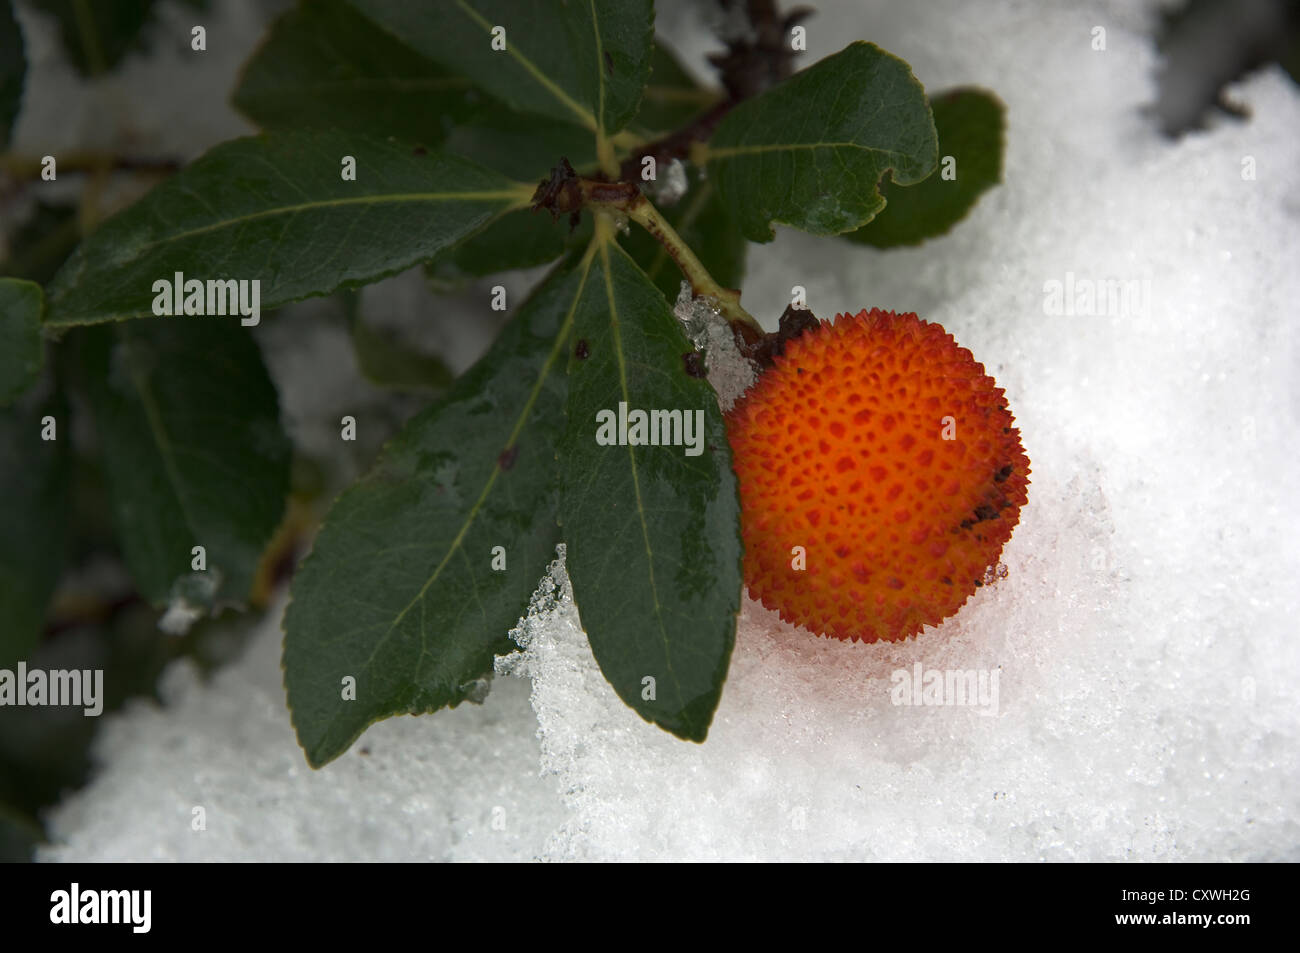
[{"x": 626, "y": 198}]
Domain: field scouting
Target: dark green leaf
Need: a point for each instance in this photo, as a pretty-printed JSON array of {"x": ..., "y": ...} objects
[
  {"x": 970, "y": 123},
  {"x": 42, "y": 243},
  {"x": 22, "y": 352},
  {"x": 583, "y": 62},
  {"x": 673, "y": 97},
  {"x": 326, "y": 66},
  {"x": 189, "y": 427},
  {"x": 33, "y": 501},
  {"x": 399, "y": 591},
  {"x": 522, "y": 147},
  {"x": 97, "y": 34},
  {"x": 13, "y": 70},
  {"x": 810, "y": 152},
  {"x": 652, "y": 532},
  {"x": 525, "y": 148},
  {"x": 705, "y": 224},
  {"x": 523, "y": 239},
  {"x": 387, "y": 361},
  {"x": 277, "y": 210},
  {"x": 19, "y": 836}
]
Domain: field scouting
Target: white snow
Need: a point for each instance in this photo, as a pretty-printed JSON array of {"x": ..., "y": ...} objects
[
  {"x": 1144, "y": 639},
  {"x": 729, "y": 373},
  {"x": 668, "y": 190},
  {"x": 179, "y": 616}
]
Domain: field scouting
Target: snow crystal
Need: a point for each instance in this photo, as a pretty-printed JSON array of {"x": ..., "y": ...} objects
[
  {"x": 668, "y": 189},
  {"x": 180, "y": 615},
  {"x": 1144, "y": 638},
  {"x": 695, "y": 314},
  {"x": 730, "y": 373},
  {"x": 191, "y": 597}
]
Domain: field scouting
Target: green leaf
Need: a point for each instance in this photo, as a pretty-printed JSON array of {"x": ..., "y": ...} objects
[
  {"x": 652, "y": 533},
  {"x": 189, "y": 427},
  {"x": 525, "y": 148},
  {"x": 672, "y": 98},
  {"x": 13, "y": 70},
  {"x": 971, "y": 125},
  {"x": 98, "y": 35},
  {"x": 22, "y": 352},
  {"x": 41, "y": 244},
  {"x": 519, "y": 146},
  {"x": 324, "y": 65},
  {"x": 399, "y": 591},
  {"x": 706, "y": 226},
  {"x": 582, "y": 62},
  {"x": 523, "y": 239},
  {"x": 277, "y": 210},
  {"x": 810, "y": 152},
  {"x": 33, "y": 511},
  {"x": 20, "y": 835},
  {"x": 387, "y": 361}
]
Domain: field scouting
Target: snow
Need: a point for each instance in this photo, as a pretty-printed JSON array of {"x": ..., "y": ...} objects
[
  {"x": 728, "y": 372},
  {"x": 1144, "y": 637}
]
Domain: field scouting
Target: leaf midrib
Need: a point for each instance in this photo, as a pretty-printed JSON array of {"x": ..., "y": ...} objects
[
  {"x": 605, "y": 240},
  {"x": 158, "y": 431},
  {"x": 516, "y": 195},
  {"x": 64, "y": 320},
  {"x": 600, "y": 74},
  {"x": 583, "y": 114}
]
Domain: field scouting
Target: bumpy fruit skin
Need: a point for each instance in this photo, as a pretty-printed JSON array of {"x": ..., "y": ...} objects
[{"x": 840, "y": 448}]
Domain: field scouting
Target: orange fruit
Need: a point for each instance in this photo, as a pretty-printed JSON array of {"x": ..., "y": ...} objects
[{"x": 880, "y": 476}]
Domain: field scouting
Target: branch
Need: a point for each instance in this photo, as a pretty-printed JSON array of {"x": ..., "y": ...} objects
[
  {"x": 566, "y": 192},
  {"x": 757, "y": 58}
]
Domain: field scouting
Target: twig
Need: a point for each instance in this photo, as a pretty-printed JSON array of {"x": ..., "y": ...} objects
[
  {"x": 755, "y": 60},
  {"x": 566, "y": 192}
]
